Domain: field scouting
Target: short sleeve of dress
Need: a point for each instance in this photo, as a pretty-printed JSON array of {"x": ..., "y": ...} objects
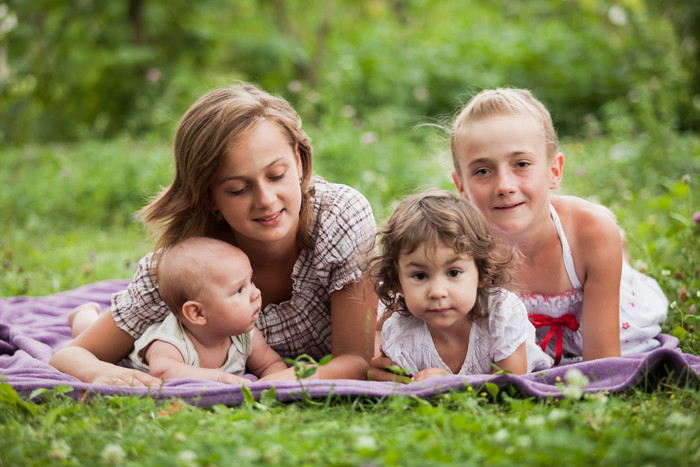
[
  {"x": 139, "y": 305},
  {"x": 402, "y": 342},
  {"x": 508, "y": 325},
  {"x": 345, "y": 224}
]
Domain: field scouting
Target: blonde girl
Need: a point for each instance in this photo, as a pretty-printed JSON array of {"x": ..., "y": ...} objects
[{"x": 585, "y": 301}]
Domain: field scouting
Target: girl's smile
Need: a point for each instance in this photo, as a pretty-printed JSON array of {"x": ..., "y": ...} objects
[{"x": 270, "y": 220}]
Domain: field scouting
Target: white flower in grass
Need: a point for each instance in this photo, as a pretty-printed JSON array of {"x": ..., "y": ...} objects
[
  {"x": 535, "y": 421},
  {"x": 556, "y": 415},
  {"x": 576, "y": 382},
  {"x": 365, "y": 442},
  {"x": 524, "y": 441},
  {"x": 679, "y": 419},
  {"x": 59, "y": 450},
  {"x": 187, "y": 458},
  {"x": 501, "y": 435},
  {"x": 113, "y": 454}
]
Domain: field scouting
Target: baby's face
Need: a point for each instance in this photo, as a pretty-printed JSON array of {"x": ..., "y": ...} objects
[
  {"x": 504, "y": 170},
  {"x": 231, "y": 300}
]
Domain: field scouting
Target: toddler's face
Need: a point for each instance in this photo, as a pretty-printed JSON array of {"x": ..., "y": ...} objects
[
  {"x": 505, "y": 171},
  {"x": 439, "y": 285}
]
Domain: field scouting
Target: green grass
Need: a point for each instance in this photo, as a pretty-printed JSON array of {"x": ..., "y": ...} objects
[
  {"x": 67, "y": 213},
  {"x": 658, "y": 428}
]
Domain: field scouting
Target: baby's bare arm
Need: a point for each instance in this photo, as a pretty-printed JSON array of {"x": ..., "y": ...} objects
[
  {"x": 166, "y": 362},
  {"x": 264, "y": 361}
]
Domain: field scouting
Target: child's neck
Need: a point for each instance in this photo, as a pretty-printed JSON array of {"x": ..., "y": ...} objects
[
  {"x": 211, "y": 350},
  {"x": 537, "y": 239},
  {"x": 452, "y": 343}
]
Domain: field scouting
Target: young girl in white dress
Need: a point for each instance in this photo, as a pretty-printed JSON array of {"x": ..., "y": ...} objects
[
  {"x": 584, "y": 299},
  {"x": 440, "y": 276}
]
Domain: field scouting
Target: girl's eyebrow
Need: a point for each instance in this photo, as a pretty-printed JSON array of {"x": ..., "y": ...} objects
[
  {"x": 483, "y": 160},
  {"x": 237, "y": 177},
  {"x": 454, "y": 259}
]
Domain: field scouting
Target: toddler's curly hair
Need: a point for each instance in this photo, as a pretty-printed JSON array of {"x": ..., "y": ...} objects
[{"x": 430, "y": 219}]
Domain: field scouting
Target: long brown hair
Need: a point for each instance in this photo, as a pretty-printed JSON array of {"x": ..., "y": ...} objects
[
  {"x": 206, "y": 132},
  {"x": 425, "y": 220}
]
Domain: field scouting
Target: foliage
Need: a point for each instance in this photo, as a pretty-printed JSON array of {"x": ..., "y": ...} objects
[
  {"x": 99, "y": 69},
  {"x": 649, "y": 184}
]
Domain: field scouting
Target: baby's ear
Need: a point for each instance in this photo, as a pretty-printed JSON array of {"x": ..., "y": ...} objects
[{"x": 193, "y": 312}]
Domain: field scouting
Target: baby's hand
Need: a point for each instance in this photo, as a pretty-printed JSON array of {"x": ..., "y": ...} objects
[
  {"x": 430, "y": 373},
  {"x": 228, "y": 378}
]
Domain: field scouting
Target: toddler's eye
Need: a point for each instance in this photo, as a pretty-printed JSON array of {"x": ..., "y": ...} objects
[
  {"x": 420, "y": 276},
  {"x": 240, "y": 291},
  {"x": 454, "y": 272}
]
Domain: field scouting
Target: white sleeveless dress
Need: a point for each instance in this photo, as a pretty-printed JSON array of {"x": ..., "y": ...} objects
[{"x": 643, "y": 306}]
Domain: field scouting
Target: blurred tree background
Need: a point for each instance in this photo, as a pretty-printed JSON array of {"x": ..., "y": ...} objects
[{"x": 90, "y": 69}]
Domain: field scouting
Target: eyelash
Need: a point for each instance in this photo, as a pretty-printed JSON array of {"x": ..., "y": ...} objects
[{"x": 276, "y": 178}]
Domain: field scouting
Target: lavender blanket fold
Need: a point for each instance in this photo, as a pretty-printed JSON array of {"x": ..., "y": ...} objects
[{"x": 32, "y": 328}]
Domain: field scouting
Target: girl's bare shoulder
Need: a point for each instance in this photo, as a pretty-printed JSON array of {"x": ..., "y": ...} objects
[{"x": 585, "y": 223}]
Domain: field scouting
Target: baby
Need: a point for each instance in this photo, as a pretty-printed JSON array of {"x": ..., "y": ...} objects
[{"x": 210, "y": 333}]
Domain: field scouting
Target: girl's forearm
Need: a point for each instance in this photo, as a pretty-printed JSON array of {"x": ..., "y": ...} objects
[
  {"x": 81, "y": 363},
  {"x": 347, "y": 366}
]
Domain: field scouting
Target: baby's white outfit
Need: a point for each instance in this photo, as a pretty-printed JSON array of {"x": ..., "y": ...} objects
[
  {"x": 559, "y": 318},
  {"x": 407, "y": 341},
  {"x": 171, "y": 331}
]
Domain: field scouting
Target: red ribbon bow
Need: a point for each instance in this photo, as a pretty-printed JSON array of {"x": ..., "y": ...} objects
[{"x": 568, "y": 320}]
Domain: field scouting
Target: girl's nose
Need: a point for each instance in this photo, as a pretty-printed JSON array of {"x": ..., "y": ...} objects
[
  {"x": 505, "y": 182},
  {"x": 437, "y": 290},
  {"x": 265, "y": 195}
]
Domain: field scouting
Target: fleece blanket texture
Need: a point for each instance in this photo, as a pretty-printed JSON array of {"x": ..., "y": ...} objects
[{"x": 32, "y": 328}]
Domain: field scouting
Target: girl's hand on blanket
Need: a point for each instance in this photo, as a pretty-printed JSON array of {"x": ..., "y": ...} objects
[
  {"x": 430, "y": 373},
  {"x": 379, "y": 370},
  {"x": 128, "y": 378}
]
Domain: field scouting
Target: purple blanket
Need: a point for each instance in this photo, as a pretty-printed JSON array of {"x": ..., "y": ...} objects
[{"x": 32, "y": 328}]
